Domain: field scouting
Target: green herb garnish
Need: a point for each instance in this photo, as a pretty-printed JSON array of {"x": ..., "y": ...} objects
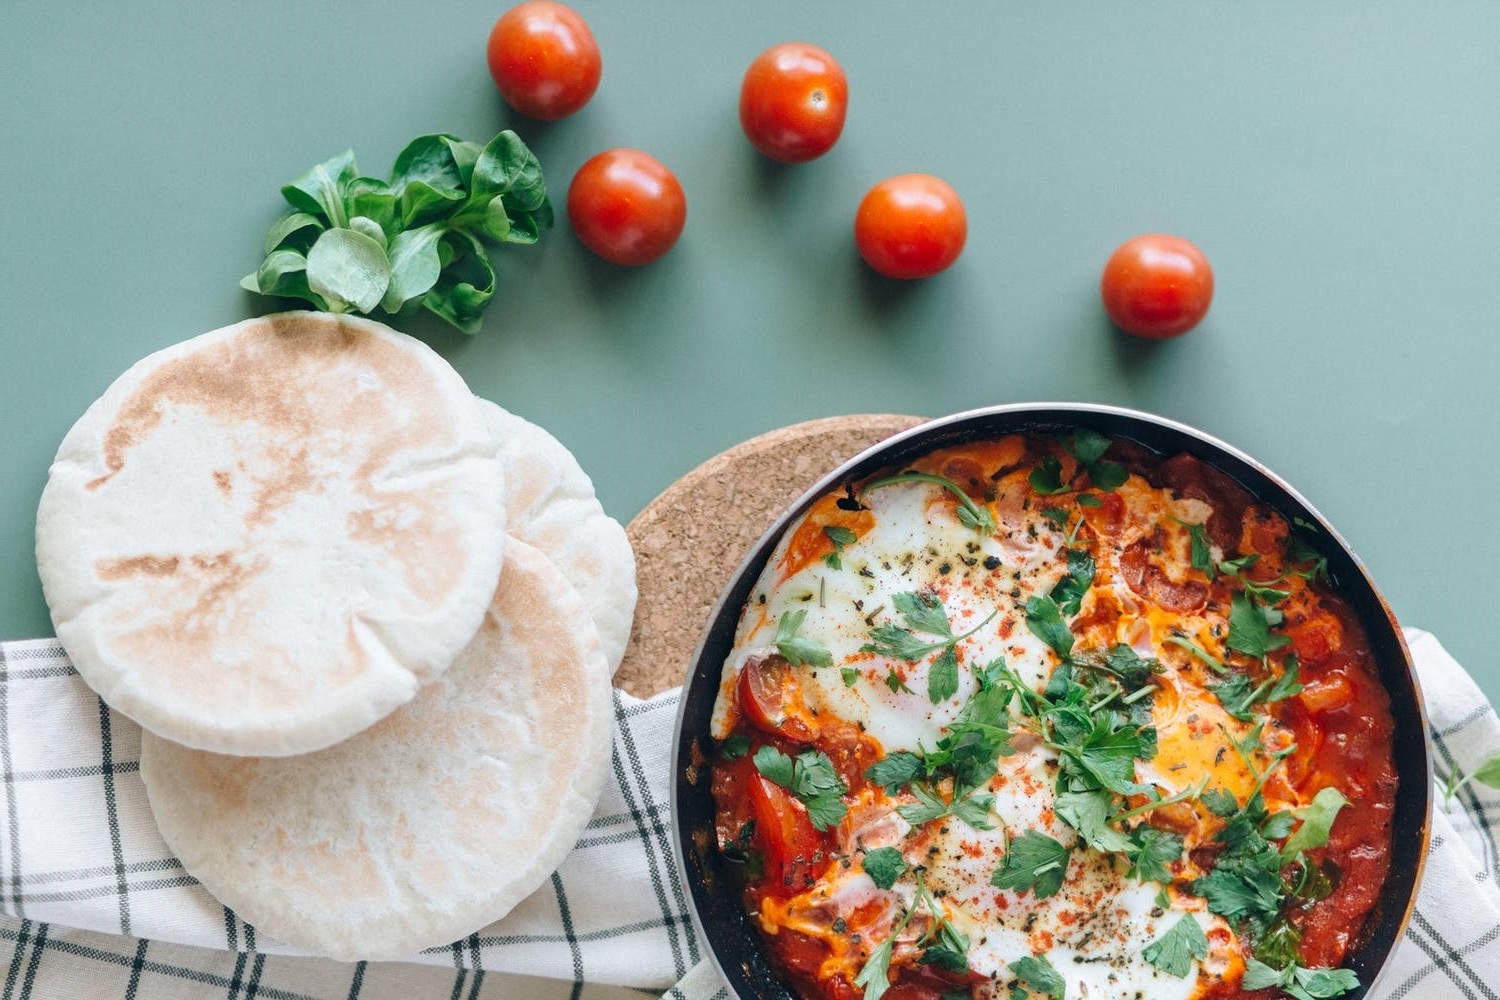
[
  {"x": 811, "y": 777},
  {"x": 358, "y": 244},
  {"x": 799, "y": 651},
  {"x": 1174, "y": 951},
  {"x": 970, "y": 513},
  {"x": 841, "y": 538},
  {"x": 1303, "y": 984},
  {"x": 1034, "y": 861},
  {"x": 1487, "y": 773},
  {"x": 923, "y": 612},
  {"x": 1039, "y": 976},
  {"x": 884, "y": 865}
]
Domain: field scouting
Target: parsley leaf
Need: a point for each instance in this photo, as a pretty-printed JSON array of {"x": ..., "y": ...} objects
[
  {"x": 1088, "y": 813},
  {"x": 942, "y": 676},
  {"x": 975, "y": 810},
  {"x": 1046, "y": 477},
  {"x": 1301, "y": 553},
  {"x": 1238, "y": 697},
  {"x": 1174, "y": 951},
  {"x": 1069, "y": 591},
  {"x": 927, "y": 808},
  {"x": 799, "y": 651},
  {"x": 1250, "y": 627},
  {"x": 1303, "y": 984},
  {"x": 1108, "y": 476},
  {"x": 1044, "y": 619},
  {"x": 1108, "y": 754},
  {"x": 922, "y": 612},
  {"x": 884, "y": 865},
  {"x": 826, "y": 810},
  {"x": 1487, "y": 773},
  {"x": 774, "y": 766},
  {"x": 841, "y": 537},
  {"x": 1317, "y": 820},
  {"x": 1242, "y": 888},
  {"x": 946, "y": 956},
  {"x": 1201, "y": 555},
  {"x": 1035, "y": 861},
  {"x": 1152, "y": 849},
  {"x": 736, "y": 745},
  {"x": 812, "y": 778},
  {"x": 895, "y": 683},
  {"x": 1220, "y": 802},
  {"x": 894, "y": 770},
  {"x": 1088, "y": 446},
  {"x": 875, "y": 977},
  {"x": 1040, "y": 976}
]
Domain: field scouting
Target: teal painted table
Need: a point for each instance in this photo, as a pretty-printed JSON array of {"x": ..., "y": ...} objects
[{"x": 1335, "y": 161}]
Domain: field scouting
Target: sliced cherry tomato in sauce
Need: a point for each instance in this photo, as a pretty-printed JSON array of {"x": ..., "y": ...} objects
[
  {"x": 784, "y": 834},
  {"x": 765, "y": 693}
]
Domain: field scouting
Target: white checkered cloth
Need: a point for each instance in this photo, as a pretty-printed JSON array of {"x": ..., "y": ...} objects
[{"x": 96, "y": 906}]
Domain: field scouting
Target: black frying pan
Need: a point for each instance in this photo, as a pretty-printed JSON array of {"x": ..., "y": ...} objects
[{"x": 713, "y": 887}]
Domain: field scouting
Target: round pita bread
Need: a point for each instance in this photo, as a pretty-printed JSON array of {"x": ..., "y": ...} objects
[
  {"x": 432, "y": 823},
  {"x": 263, "y": 539},
  {"x": 550, "y": 503}
]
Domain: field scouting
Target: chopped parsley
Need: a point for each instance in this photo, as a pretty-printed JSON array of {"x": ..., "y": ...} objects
[
  {"x": 942, "y": 944},
  {"x": 811, "y": 777},
  {"x": 1034, "y": 861},
  {"x": 1039, "y": 976},
  {"x": 1174, "y": 951},
  {"x": 884, "y": 865},
  {"x": 1250, "y": 624},
  {"x": 841, "y": 538},
  {"x": 1088, "y": 447},
  {"x": 799, "y": 651},
  {"x": 1303, "y": 984},
  {"x": 923, "y": 612}
]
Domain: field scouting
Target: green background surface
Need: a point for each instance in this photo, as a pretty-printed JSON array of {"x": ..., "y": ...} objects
[{"x": 1336, "y": 162}]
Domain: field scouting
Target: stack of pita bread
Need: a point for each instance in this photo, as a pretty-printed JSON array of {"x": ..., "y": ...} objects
[{"x": 366, "y": 620}]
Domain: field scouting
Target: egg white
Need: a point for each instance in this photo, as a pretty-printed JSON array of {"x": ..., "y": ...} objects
[{"x": 916, "y": 545}]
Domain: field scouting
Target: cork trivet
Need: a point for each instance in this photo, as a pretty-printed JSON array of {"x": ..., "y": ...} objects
[{"x": 691, "y": 538}]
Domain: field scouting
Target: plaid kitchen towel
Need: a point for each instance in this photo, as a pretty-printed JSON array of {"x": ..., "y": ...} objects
[{"x": 95, "y": 906}]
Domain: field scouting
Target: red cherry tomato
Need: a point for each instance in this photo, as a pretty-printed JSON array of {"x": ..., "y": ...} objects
[
  {"x": 1157, "y": 286},
  {"x": 792, "y": 102},
  {"x": 626, "y": 207},
  {"x": 763, "y": 691},
  {"x": 911, "y": 226},
  {"x": 544, "y": 59},
  {"x": 783, "y": 833}
]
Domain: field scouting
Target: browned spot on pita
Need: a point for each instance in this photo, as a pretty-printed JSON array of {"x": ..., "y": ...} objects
[
  {"x": 232, "y": 778},
  {"x": 430, "y": 560},
  {"x": 223, "y": 481},
  {"x": 293, "y": 478},
  {"x": 129, "y": 566}
]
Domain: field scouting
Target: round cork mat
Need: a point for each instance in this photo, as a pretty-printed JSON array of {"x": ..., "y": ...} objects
[{"x": 691, "y": 538}]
